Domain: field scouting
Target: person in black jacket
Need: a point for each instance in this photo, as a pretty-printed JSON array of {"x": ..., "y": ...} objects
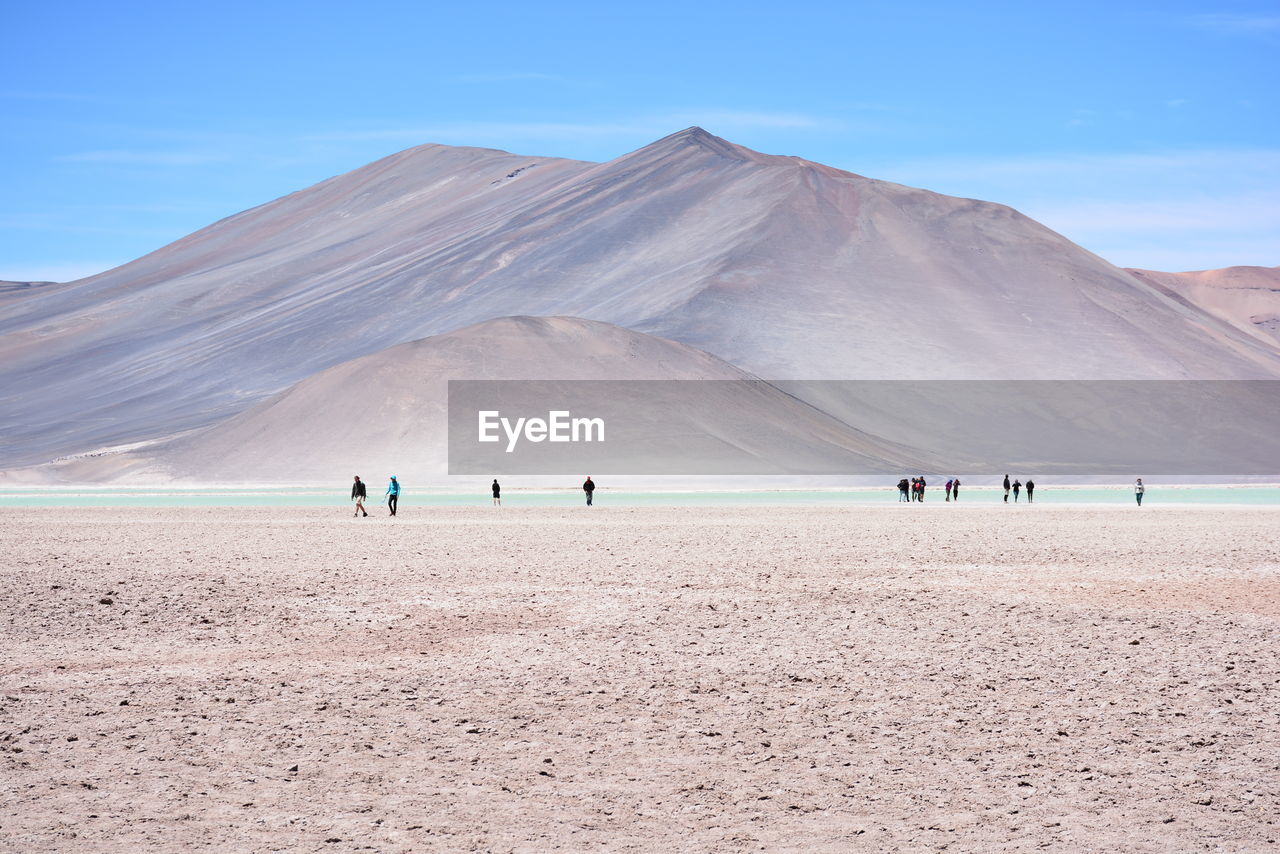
[
  {"x": 1006, "y": 489},
  {"x": 497, "y": 493},
  {"x": 1031, "y": 488},
  {"x": 1017, "y": 485},
  {"x": 358, "y": 495},
  {"x": 902, "y": 491},
  {"x": 589, "y": 487}
]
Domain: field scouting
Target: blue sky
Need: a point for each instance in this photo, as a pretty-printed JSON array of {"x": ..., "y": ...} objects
[{"x": 1146, "y": 132}]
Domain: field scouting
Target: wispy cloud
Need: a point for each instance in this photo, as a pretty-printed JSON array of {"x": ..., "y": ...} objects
[
  {"x": 1263, "y": 164},
  {"x": 1239, "y": 213},
  {"x": 1238, "y": 24},
  {"x": 1192, "y": 232},
  {"x": 876, "y": 107},
  {"x": 1180, "y": 209},
  {"x": 12, "y": 95},
  {"x": 509, "y": 133},
  {"x": 174, "y": 206},
  {"x": 143, "y": 158},
  {"x": 55, "y": 271},
  {"x": 511, "y": 77},
  {"x": 477, "y": 131},
  {"x": 747, "y": 119},
  {"x": 59, "y": 222},
  {"x": 1206, "y": 252}
]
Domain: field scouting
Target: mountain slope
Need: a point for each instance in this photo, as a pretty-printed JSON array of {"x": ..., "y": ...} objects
[{"x": 386, "y": 412}]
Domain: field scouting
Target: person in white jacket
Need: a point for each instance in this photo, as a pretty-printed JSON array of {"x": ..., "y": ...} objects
[{"x": 1138, "y": 490}]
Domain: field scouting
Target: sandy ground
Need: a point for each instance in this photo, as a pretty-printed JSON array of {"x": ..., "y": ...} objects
[{"x": 780, "y": 679}]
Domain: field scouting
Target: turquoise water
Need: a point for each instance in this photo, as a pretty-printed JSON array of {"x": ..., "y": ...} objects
[{"x": 312, "y": 497}]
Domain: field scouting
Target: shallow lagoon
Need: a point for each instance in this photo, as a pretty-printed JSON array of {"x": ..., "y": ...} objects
[{"x": 315, "y": 497}]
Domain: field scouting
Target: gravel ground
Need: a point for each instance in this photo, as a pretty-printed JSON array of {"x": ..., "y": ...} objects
[{"x": 912, "y": 678}]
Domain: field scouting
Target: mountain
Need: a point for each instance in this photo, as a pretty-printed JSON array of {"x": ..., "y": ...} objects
[
  {"x": 1248, "y": 298},
  {"x": 206, "y": 326},
  {"x": 386, "y": 412},
  {"x": 783, "y": 268}
]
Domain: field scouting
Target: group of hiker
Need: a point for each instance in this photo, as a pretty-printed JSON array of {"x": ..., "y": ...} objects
[
  {"x": 913, "y": 490},
  {"x": 360, "y": 493},
  {"x": 1016, "y": 487}
]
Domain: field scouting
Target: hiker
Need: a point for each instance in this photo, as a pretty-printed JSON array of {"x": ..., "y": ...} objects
[
  {"x": 1006, "y": 489},
  {"x": 955, "y": 489},
  {"x": 1017, "y": 485},
  {"x": 497, "y": 493},
  {"x": 358, "y": 495},
  {"x": 393, "y": 494},
  {"x": 588, "y": 486},
  {"x": 902, "y": 491},
  {"x": 1138, "y": 490},
  {"x": 921, "y": 488},
  {"x": 1031, "y": 488},
  {"x": 948, "y": 490}
]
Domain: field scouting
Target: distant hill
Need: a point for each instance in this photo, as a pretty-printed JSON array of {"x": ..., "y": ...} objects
[
  {"x": 14, "y": 289},
  {"x": 1246, "y": 297}
]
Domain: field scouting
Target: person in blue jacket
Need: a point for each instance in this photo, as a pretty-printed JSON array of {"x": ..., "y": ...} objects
[{"x": 393, "y": 494}]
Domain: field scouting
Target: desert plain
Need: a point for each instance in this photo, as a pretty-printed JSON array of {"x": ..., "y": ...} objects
[{"x": 887, "y": 678}]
